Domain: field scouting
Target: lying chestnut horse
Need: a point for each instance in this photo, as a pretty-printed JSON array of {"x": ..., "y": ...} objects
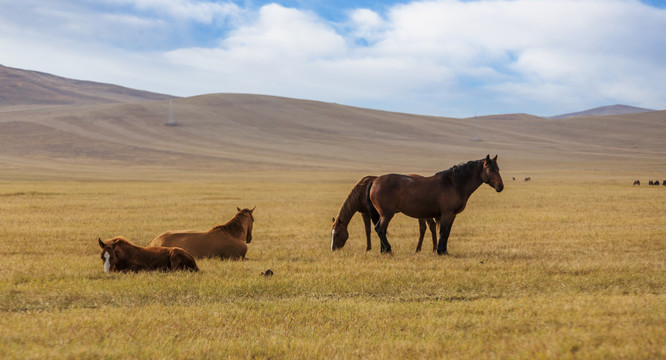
[
  {"x": 118, "y": 254},
  {"x": 228, "y": 241},
  {"x": 443, "y": 196}
]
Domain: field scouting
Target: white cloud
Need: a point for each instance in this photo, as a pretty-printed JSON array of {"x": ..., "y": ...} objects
[
  {"x": 366, "y": 25},
  {"x": 199, "y": 11}
]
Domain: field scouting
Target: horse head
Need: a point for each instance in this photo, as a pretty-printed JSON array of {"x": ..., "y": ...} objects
[
  {"x": 490, "y": 173},
  {"x": 110, "y": 254},
  {"x": 248, "y": 238},
  {"x": 339, "y": 235}
]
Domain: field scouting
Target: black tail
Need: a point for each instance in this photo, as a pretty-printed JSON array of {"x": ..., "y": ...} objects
[{"x": 374, "y": 215}]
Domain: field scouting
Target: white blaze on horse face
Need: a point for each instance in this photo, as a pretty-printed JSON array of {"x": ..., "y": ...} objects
[
  {"x": 332, "y": 238},
  {"x": 107, "y": 263}
]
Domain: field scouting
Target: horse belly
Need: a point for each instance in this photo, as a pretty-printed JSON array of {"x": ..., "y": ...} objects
[
  {"x": 233, "y": 251},
  {"x": 420, "y": 207}
]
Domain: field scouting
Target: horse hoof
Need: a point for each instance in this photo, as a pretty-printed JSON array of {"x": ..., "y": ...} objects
[{"x": 439, "y": 252}]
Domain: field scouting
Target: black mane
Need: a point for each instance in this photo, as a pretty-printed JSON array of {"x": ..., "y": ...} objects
[{"x": 458, "y": 173}]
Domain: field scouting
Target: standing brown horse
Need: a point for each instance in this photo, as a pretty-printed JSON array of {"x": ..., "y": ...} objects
[
  {"x": 226, "y": 241},
  {"x": 118, "y": 254},
  {"x": 443, "y": 196},
  {"x": 356, "y": 202}
]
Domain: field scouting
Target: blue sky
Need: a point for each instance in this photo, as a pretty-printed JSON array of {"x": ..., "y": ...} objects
[{"x": 438, "y": 57}]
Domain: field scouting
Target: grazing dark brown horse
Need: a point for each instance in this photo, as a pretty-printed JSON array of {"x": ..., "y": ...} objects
[
  {"x": 443, "y": 196},
  {"x": 357, "y": 202},
  {"x": 637, "y": 182},
  {"x": 118, "y": 254},
  {"x": 228, "y": 241}
]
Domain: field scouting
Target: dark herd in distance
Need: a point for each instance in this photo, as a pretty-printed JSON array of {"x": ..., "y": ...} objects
[{"x": 650, "y": 183}]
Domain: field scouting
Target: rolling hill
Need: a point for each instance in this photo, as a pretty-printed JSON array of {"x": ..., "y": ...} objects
[
  {"x": 605, "y": 111},
  {"x": 228, "y": 133},
  {"x": 22, "y": 87}
]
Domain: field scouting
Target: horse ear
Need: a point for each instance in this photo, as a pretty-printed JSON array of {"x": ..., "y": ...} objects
[
  {"x": 488, "y": 158},
  {"x": 495, "y": 158},
  {"x": 101, "y": 243},
  {"x": 237, "y": 208},
  {"x": 333, "y": 219},
  {"x": 253, "y": 208}
]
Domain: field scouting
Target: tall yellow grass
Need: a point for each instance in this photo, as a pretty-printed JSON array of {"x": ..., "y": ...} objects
[{"x": 548, "y": 269}]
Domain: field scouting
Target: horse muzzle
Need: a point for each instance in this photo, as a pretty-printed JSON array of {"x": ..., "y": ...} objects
[{"x": 499, "y": 187}]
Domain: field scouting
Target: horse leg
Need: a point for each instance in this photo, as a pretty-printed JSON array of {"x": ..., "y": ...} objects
[
  {"x": 433, "y": 229},
  {"x": 175, "y": 261},
  {"x": 444, "y": 231},
  {"x": 366, "y": 221},
  {"x": 422, "y": 229},
  {"x": 380, "y": 228}
]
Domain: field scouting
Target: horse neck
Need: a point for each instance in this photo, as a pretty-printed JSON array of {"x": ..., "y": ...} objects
[
  {"x": 237, "y": 226},
  {"x": 469, "y": 185},
  {"x": 354, "y": 202},
  {"x": 126, "y": 245}
]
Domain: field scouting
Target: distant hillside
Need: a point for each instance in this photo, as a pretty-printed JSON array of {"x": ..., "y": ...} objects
[
  {"x": 121, "y": 132},
  {"x": 605, "y": 111},
  {"x": 23, "y": 87},
  {"x": 229, "y": 133}
]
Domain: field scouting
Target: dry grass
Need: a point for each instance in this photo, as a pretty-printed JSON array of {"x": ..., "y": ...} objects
[{"x": 558, "y": 269}]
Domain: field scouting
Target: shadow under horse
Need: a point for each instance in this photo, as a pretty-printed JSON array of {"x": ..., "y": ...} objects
[{"x": 441, "y": 196}]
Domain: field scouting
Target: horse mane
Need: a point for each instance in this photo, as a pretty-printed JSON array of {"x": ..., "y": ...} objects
[
  {"x": 234, "y": 226},
  {"x": 121, "y": 239},
  {"x": 356, "y": 195},
  {"x": 456, "y": 174}
]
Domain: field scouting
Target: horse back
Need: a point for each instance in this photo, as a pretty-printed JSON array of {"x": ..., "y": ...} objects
[
  {"x": 202, "y": 244},
  {"x": 414, "y": 195}
]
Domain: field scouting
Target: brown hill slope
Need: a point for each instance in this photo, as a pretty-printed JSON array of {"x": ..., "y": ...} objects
[
  {"x": 22, "y": 87},
  {"x": 231, "y": 132},
  {"x": 605, "y": 111}
]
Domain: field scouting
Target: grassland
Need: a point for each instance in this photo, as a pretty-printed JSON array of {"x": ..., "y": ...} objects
[{"x": 560, "y": 268}]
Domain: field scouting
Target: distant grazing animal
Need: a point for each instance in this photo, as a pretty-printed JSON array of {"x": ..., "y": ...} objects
[
  {"x": 651, "y": 182},
  {"x": 663, "y": 183},
  {"x": 443, "y": 196},
  {"x": 528, "y": 179},
  {"x": 356, "y": 202},
  {"x": 514, "y": 179},
  {"x": 637, "y": 182},
  {"x": 656, "y": 182},
  {"x": 228, "y": 241},
  {"x": 118, "y": 254}
]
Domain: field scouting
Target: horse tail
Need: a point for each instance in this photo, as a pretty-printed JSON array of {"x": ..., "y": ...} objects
[{"x": 374, "y": 215}]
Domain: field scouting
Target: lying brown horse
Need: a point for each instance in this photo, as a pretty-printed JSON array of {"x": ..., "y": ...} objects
[
  {"x": 226, "y": 241},
  {"x": 443, "y": 196},
  {"x": 356, "y": 202},
  {"x": 118, "y": 254}
]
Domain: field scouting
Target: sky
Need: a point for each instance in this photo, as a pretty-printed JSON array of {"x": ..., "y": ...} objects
[{"x": 450, "y": 58}]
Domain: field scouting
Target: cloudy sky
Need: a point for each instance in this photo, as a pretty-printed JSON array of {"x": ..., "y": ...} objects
[{"x": 439, "y": 57}]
